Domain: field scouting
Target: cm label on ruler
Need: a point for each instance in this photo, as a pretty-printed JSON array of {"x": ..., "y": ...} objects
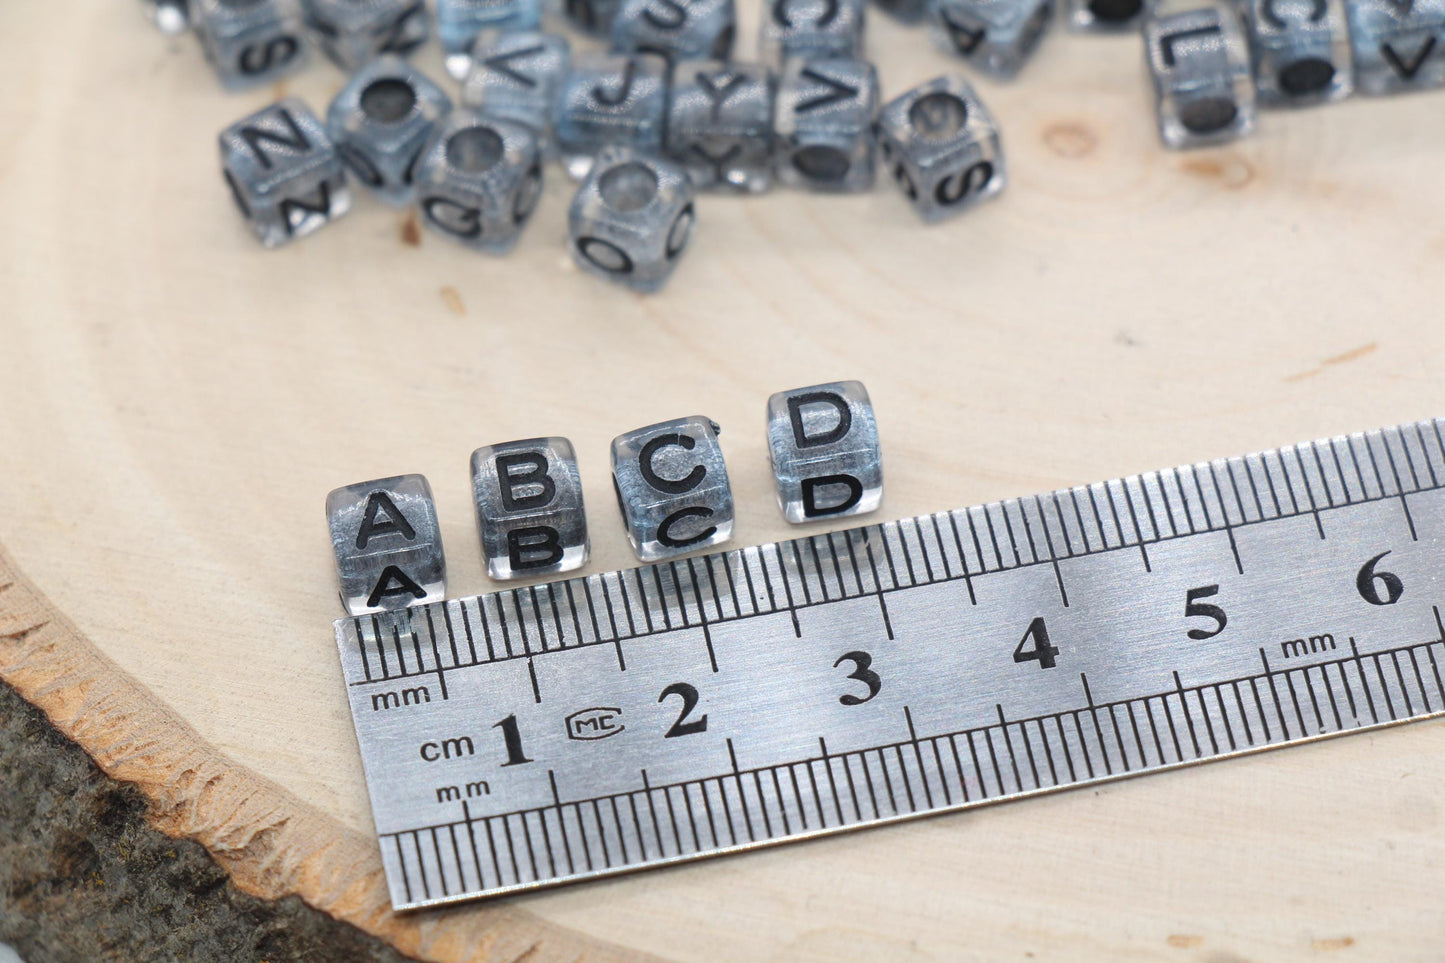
[{"x": 779, "y": 691}]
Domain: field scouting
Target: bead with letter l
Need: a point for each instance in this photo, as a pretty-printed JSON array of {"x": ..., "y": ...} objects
[
  {"x": 1199, "y": 62},
  {"x": 823, "y": 445},
  {"x": 388, "y": 545},
  {"x": 530, "y": 517},
  {"x": 284, "y": 173},
  {"x": 672, "y": 488}
]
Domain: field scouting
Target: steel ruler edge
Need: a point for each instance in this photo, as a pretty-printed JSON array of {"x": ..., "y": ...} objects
[{"x": 707, "y": 705}]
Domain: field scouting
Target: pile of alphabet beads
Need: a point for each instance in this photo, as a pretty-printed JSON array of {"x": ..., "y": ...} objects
[
  {"x": 672, "y": 489},
  {"x": 1213, "y": 64},
  {"x": 660, "y": 115}
]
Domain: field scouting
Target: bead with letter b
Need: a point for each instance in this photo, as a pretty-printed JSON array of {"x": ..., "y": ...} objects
[
  {"x": 284, "y": 173},
  {"x": 388, "y": 545},
  {"x": 479, "y": 181},
  {"x": 823, "y": 445},
  {"x": 1199, "y": 62},
  {"x": 529, "y": 507},
  {"x": 942, "y": 147},
  {"x": 672, "y": 488}
]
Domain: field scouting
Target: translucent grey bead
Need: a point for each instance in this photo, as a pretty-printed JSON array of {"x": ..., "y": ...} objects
[
  {"x": 904, "y": 11},
  {"x": 824, "y": 125},
  {"x": 942, "y": 147},
  {"x": 284, "y": 172},
  {"x": 996, "y": 36},
  {"x": 529, "y": 507},
  {"x": 388, "y": 545},
  {"x": 720, "y": 123},
  {"x": 250, "y": 42},
  {"x": 610, "y": 99},
  {"x": 592, "y": 17},
  {"x": 171, "y": 17},
  {"x": 1397, "y": 46},
  {"x": 516, "y": 76},
  {"x": 631, "y": 219},
  {"x": 1199, "y": 62},
  {"x": 459, "y": 22},
  {"x": 1106, "y": 16},
  {"x": 810, "y": 29},
  {"x": 823, "y": 446},
  {"x": 672, "y": 488},
  {"x": 382, "y": 120},
  {"x": 676, "y": 29},
  {"x": 479, "y": 180},
  {"x": 1301, "y": 51},
  {"x": 353, "y": 32}
]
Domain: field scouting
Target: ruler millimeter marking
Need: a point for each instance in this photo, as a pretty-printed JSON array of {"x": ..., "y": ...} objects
[{"x": 711, "y": 704}]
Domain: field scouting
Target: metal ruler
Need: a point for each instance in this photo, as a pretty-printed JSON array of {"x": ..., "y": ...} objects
[{"x": 707, "y": 705}]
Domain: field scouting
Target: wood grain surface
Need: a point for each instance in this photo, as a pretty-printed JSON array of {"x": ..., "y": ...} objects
[{"x": 175, "y": 403}]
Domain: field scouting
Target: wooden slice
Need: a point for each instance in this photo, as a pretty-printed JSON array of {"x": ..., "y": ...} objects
[{"x": 177, "y": 402}]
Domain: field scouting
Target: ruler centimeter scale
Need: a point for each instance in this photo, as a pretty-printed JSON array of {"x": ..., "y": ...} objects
[{"x": 706, "y": 705}]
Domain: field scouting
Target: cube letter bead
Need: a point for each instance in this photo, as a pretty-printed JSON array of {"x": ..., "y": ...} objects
[
  {"x": 479, "y": 181},
  {"x": 810, "y": 30},
  {"x": 1397, "y": 46},
  {"x": 1301, "y": 51},
  {"x": 720, "y": 124},
  {"x": 942, "y": 147},
  {"x": 904, "y": 11},
  {"x": 996, "y": 36},
  {"x": 284, "y": 172},
  {"x": 672, "y": 488},
  {"x": 515, "y": 76},
  {"x": 610, "y": 99},
  {"x": 459, "y": 22},
  {"x": 352, "y": 34},
  {"x": 823, "y": 125},
  {"x": 388, "y": 544},
  {"x": 676, "y": 29},
  {"x": 1199, "y": 61},
  {"x": 1106, "y": 16},
  {"x": 529, "y": 507},
  {"x": 250, "y": 41},
  {"x": 381, "y": 122},
  {"x": 823, "y": 445},
  {"x": 593, "y": 17},
  {"x": 171, "y": 17},
  {"x": 631, "y": 219}
]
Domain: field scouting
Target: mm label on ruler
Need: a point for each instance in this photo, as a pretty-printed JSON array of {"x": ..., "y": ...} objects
[{"x": 559, "y": 732}]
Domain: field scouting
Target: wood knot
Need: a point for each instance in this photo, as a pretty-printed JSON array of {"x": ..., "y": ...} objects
[
  {"x": 1229, "y": 171},
  {"x": 1070, "y": 140},
  {"x": 411, "y": 231}
]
